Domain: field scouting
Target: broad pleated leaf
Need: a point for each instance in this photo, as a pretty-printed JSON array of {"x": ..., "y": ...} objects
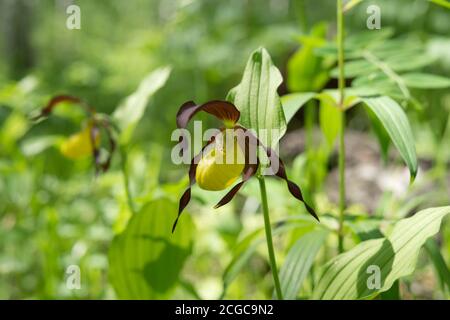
[
  {"x": 257, "y": 99},
  {"x": 349, "y": 275},
  {"x": 299, "y": 261},
  {"x": 146, "y": 258},
  {"x": 293, "y": 102},
  {"x": 131, "y": 110},
  {"x": 394, "y": 120}
]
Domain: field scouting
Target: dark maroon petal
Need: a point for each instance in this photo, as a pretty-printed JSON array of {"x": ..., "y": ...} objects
[
  {"x": 54, "y": 102},
  {"x": 95, "y": 130},
  {"x": 281, "y": 172},
  {"x": 223, "y": 110},
  {"x": 293, "y": 188},
  {"x": 249, "y": 172}
]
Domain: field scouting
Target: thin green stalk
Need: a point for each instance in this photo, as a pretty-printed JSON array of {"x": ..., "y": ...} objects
[
  {"x": 341, "y": 84},
  {"x": 126, "y": 180},
  {"x": 341, "y": 184},
  {"x": 273, "y": 262}
]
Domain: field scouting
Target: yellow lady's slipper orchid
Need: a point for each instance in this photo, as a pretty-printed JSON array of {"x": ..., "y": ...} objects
[
  {"x": 79, "y": 145},
  {"x": 212, "y": 170}
]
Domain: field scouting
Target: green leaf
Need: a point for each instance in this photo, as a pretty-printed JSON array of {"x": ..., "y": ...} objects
[
  {"x": 438, "y": 261},
  {"x": 381, "y": 134},
  {"x": 393, "y": 293},
  {"x": 131, "y": 110},
  {"x": 35, "y": 145},
  {"x": 425, "y": 81},
  {"x": 245, "y": 249},
  {"x": 257, "y": 99},
  {"x": 146, "y": 258},
  {"x": 443, "y": 3},
  {"x": 330, "y": 120},
  {"x": 293, "y": 102},
  {"x": 355, "y": 68},
  {"x": 394, "y": 120},
  {"x": 306, "y": 70},
  {"x": 348, "y": 275},
  {"x": 299, "y": 261}
]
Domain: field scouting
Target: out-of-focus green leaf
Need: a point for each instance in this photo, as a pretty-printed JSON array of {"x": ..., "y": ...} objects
[
  {"x": 394, "y": 120},
  {"x": 407, "y": 62},
  {"x": 425, "y": 81},
  {"x": 299, "y": 261},
  {"x": 35, "y": 145},
  {"x": 330, "y": 120},
  {"x": 257, "y": 99},
  {"x": 439, "y": 263},
  {"x": 443, "y": 3},
  {"x": 306, "y": 70},
  {"x": 353, "y": 274},
  {"x": 146, "y": 258},
  {"x": 355, "y": 68},
  {"x": 131, "y": 110},
  {"x": 15, "y": 126},
  {"x": 293, "y": 102}
]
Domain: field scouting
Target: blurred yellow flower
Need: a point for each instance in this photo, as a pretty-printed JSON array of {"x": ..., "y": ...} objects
[{"x": 79, "y": 145}]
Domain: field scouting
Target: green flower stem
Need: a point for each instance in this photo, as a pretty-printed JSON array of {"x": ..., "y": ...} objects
[
  {"x": 273, "y": 262},
  {"x": 341, "y": 84}
]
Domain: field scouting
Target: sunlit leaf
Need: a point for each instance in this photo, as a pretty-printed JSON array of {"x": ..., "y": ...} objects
[
  {"x": 306, "y": 70},
  {"x": 394, "y": 120},
  {"x": 146, "y": 258},
  {"x": 293, "y": 102},
  {"x": 299, "y": 261},
  {"x": 330, "y": 120},
  {"x": 131, "y": 110},
  {"x": 347, "y": 276},
  {"x": 257, "y": 99}
]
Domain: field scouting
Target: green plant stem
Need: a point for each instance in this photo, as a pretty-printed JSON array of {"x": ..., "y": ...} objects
[
  {"x": 126, "y": 179},
  {"x": 341, "y": 84},
  {"x": 341, "y": 184},
  {"x": 273, "y": 262}
]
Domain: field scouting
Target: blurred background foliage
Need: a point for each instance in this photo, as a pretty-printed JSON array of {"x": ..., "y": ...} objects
[{"x": 54, "y": 212}]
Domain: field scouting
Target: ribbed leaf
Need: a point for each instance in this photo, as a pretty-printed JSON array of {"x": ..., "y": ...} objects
[
  {"x": 394, "y": 120},
  {"x": 299, "y": 261},
  {"x": 293, "y": 102},
  {"x": 146, "y": 258},
  {"x": 257, "y": 99},
  {"x": 131, "y": 110},
  {"x": 347, "y": 276}
]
